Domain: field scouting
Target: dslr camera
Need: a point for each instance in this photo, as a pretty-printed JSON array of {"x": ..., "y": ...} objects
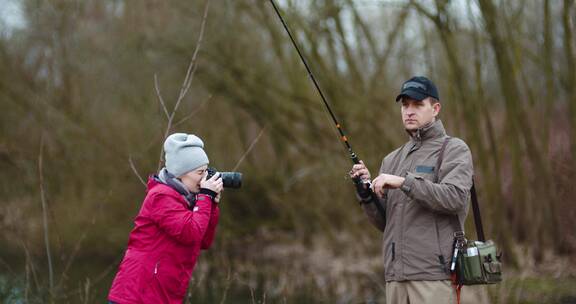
[{"x": 229, "y": 179}]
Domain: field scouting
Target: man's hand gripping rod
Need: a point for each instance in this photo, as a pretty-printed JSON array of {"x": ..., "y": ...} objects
[{"x": 363, "y": 186}]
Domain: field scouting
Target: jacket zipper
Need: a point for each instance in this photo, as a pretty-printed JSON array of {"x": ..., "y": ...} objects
[
  {"x": 156, "y": 268},
  {"x": 416, "y": 146}
]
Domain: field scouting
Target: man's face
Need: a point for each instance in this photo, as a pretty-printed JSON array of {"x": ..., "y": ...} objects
[{"x": 417, "y": 113}]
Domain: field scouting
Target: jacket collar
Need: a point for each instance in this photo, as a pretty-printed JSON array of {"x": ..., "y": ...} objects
[
  {"x": 429, "y": 131},
  {"x": 166, "y": 178}
]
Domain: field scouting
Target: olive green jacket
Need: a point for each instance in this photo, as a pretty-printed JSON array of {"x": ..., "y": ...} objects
[{"x": 422, "y": 215}]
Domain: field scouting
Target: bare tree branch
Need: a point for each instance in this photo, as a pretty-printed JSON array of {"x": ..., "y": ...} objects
[
  {"x": 423, "y": 11},
  {"x": 45, "y": 216},
  {"x": 159, "y": 95},
  {"x": 249, "y": 149},
  {"x": 195, "y": 111},
  {"x": 136, "y": 171},
  {"x": 193, "y": 66},
  {"x": 77, "y": 247},
  {"x": 188, "y": 79}
]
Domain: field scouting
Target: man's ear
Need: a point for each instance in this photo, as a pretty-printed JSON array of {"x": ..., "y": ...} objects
[{"x": 437, "y": 107}]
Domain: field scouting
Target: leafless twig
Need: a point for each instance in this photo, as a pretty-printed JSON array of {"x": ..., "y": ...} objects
[
  {"x": 7, "y": 266},
  {"x": 194, "y": 112},
  {"x": 45, "y": 216},
  {"x": 187, "y": 80},
  {"x": 136, "y": 171},
  {"x": 249, "y": 149},
  {"x": 101, "y": 276},
  {"x": 87, "y": 286},
  {"x": 71, "y": 259},
  {"x": 252, "y": 298},
  {"x": 29, "y": 269},
  {"x": 159, "y": 95},
  {"x": 228, "y": 281}
]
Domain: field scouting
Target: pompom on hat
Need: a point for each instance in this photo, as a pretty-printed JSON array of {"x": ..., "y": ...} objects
[{"x": 184, "y": 153}]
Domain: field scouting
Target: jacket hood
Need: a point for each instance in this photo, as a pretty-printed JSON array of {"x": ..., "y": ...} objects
[{"x": 152, "y": 182}]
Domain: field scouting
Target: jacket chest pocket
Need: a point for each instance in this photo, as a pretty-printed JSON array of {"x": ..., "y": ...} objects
[{"x": 425, "y": 171}]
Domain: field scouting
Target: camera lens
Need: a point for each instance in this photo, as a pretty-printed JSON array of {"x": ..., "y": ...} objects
[{"x": 231, "y": 179}]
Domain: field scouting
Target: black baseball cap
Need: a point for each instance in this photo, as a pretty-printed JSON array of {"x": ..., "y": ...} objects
[{"x": 418, "y": 87}]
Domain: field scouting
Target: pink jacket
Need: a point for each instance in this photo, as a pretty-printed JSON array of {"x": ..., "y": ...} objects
[{"x": 163, "y": 247}]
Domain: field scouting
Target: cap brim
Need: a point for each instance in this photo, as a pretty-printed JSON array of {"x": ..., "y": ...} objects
[{"x": 412, "y": 94}]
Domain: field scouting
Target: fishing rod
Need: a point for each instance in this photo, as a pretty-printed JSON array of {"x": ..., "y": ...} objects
[{"x": 363, "y": 186}]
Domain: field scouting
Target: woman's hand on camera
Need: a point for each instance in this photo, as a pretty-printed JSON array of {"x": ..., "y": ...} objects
[
  {"x": 214, "y": 183},
  {"x": 217, "y": 198}
]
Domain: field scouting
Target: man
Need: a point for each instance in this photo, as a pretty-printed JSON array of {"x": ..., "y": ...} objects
[{"x": 425, "y": 204}]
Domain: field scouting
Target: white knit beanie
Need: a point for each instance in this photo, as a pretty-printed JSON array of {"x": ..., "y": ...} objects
[{"x": 184, "y": 153}]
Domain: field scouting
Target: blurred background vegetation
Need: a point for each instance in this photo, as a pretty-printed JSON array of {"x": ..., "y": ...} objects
[{"x": 81, "y": 119}]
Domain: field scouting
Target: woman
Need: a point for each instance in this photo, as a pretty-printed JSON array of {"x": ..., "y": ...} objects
[{"x": 177, "y": 219}]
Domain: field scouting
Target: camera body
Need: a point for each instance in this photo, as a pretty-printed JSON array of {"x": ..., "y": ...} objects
[{"x": 229, "y": 179}]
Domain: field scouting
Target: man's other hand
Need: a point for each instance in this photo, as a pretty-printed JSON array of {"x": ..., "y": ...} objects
[{"x": 386, "y": 181}]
